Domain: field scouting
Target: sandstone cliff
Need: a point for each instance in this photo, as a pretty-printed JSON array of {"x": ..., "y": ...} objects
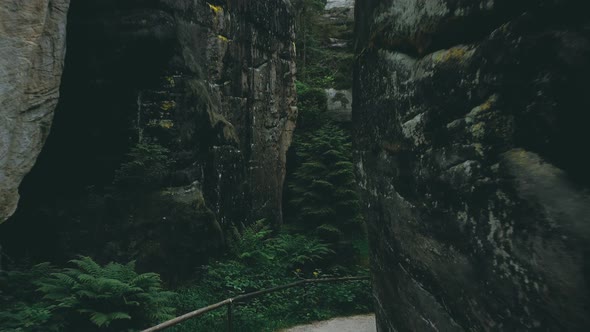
[
  {"x": 214, "y": 83},
  {"x": 470, "y": 135},
  {"x": 32, "y": 49},
  {"x": 210, "y": 81}
]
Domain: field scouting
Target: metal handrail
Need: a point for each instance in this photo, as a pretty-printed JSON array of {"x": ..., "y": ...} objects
[{"x": 230, "y": 302}]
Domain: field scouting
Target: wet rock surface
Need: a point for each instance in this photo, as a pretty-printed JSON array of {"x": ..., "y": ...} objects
[
  {"x": 470, "y": 126},
  {"x": 32, "y": 50}
]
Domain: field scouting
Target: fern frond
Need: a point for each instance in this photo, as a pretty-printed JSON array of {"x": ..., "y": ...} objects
[
  {"x": 86, "y": 264},
  {"x": 101, "y": 319}
]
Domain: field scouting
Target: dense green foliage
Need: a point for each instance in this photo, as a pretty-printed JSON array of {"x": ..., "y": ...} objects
[
  {"x": 312, "y": 103},
  {"x": 323, "y": 187},
  {"x": 22, "y": 306},
  {"x": 308, "y": 13},
  {"x": 321, "y": 193},
  {"x": 134, "y": 215},
  {"x": 260, "y": 260},
  {"x": 85, "y": 297}
]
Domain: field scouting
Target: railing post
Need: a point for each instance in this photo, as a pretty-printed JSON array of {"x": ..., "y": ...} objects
[{"x": 230, "y": 314}]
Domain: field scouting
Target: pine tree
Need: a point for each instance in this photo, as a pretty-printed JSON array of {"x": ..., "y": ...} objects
[
  {"x": 307, "y": 12},
  {"x": 322, "y": 188}
]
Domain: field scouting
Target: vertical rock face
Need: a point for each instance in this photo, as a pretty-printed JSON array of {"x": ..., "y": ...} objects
[
  {"x": 32, "y": 49},
  {"x": 202, "y": 93},
  {"x": 470, "y": 136},
  {"x": 213, "y": 82},
  {"x": 338, "y": 19}
]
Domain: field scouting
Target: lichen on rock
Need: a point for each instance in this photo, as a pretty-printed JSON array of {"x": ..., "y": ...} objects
[{"x": 469, "y": 121}]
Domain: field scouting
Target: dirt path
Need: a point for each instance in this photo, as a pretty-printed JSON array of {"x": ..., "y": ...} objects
[{"x": 365, "y": 323}]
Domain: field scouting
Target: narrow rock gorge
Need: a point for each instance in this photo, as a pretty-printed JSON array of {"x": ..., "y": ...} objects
[
  {"x": 470, "y": 135},
  {"x": 159, "y": 142},
  {"x": 144, "y": 147}
]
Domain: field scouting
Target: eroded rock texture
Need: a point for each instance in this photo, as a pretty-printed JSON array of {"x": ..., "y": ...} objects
[
  {"x": 338, "y": 21},
  {"x": 470, "y": 138},
  {"x": 32, "y": 49},
  {"x": 211, "y": 81}
]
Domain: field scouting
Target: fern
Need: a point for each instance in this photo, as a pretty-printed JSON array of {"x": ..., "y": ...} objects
[
  {"x": 111, "y": 296},
  {"x": 249, "y": 245},
  {"x": 102, "y": 319},
  {"x": 322, "y": 190},
  {"x": 87, "y": 265}
]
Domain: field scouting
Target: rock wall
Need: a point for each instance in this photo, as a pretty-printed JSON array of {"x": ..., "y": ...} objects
[
  {"x": 338, "y": 21},
  {"x": 211, "y": 81},
  {"x": 470, "y": 135},
  {"x": 32, "y": 49}
]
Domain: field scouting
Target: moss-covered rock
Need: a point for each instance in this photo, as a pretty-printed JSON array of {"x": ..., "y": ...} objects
[{"x": 470, "y": 119}]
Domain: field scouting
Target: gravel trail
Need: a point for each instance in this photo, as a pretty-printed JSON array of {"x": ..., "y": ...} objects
[{"x": 365, "y": 323}]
